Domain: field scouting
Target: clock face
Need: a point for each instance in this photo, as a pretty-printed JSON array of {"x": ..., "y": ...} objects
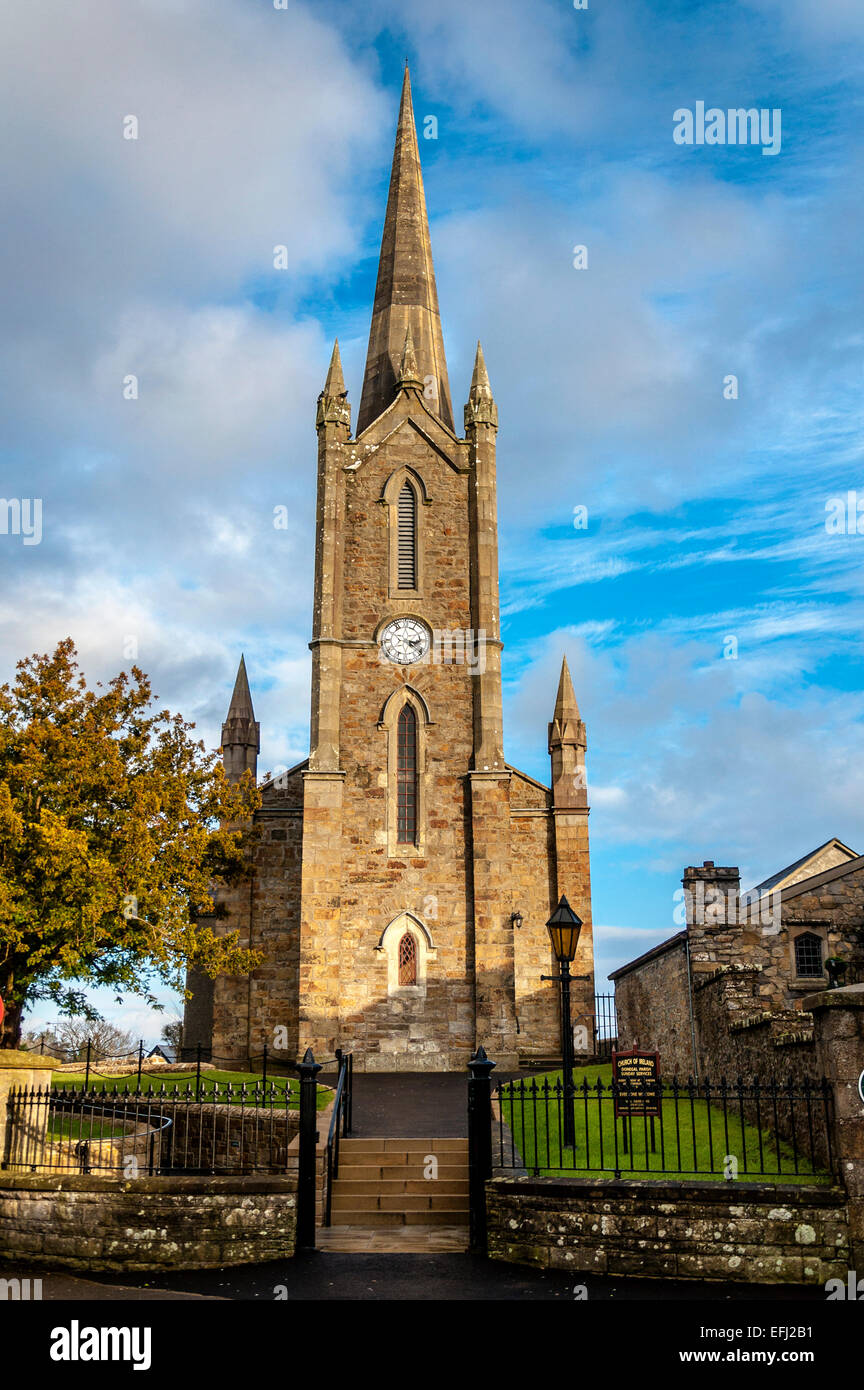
[{"x": 404, "y": 641}]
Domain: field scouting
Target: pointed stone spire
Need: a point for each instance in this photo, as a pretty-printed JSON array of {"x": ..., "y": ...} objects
[
  {"x": 408, "y": 373},
  {"x": 566, "y": 708},
  {"x": 335, "y": 383},
  {"x": 241, "y": 734},
  {"x": 567, "y": 745},
  {"x": 333, "y": 407},
  {"x": 405, "y": 295},
  {"x": 241, "y": 700},
  {"x": 481, "y": 408}
]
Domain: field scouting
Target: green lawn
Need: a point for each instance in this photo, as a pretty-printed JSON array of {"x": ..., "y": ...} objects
[
  {"x": 82, "y": 1127},
  {"x": 214, "y": 1086},
  {"x": 693, "y": 1145}
]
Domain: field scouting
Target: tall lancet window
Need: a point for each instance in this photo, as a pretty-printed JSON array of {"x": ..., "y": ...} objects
[
  {"x": 406, "y": 777},
  {"x": 407, "y": 544},
  {"x": 408, "y": 960}
]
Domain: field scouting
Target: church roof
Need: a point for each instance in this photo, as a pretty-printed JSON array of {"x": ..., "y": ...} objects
[
  {"x": 405, "y": 295},
  {"x": 828, "y": 856}
]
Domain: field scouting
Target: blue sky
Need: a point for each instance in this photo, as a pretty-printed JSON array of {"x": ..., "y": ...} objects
[{"x": 706, "y": 516}]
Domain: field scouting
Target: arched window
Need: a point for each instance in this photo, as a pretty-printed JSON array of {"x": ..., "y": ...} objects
[
  {"x": 406, "y": 559},
  {"x": 406, "y": 777},
  {"x": 407, "y": 960},
  {"x": 808, "y": 955}
]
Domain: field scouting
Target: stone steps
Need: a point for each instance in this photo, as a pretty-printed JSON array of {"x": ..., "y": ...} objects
[{"x": 381, "y": 1182}]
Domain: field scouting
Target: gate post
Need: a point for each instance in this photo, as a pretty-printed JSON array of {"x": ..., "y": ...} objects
[
  {"x": 309, "y": 1070},
  {"x": 838, "y": 1025},
  {"x": 479, "y": 1146}
]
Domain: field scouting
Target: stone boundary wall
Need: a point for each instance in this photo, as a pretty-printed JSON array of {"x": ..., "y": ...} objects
[
  {"x": 738, "y": 1036},
  {"x": 146, "y": 1224},
  {"x": 752, "y": 1233},
  {"x": 654, "y": 1010}
]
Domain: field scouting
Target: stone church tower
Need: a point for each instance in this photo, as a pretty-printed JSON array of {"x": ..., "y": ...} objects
[{"x": 392, "y": 867}]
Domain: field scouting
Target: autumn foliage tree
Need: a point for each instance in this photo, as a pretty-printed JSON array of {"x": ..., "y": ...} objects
[{"x": 115, "y": 828}]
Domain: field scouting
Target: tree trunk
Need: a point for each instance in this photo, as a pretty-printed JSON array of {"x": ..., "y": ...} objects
[{"x": 10, "y": 1029}]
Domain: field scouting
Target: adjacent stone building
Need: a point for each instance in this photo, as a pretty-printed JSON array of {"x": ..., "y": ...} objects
[
  {"x": 761, "y": 953},
  {"x": 405, "y": 871}
]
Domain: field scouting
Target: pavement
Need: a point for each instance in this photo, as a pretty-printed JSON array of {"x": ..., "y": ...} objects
[
  {"x": 401, "y": 1278},
  {"x": 410, "y": 1105}
]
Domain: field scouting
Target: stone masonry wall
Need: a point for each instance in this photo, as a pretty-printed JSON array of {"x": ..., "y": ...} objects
[
  {"x": 271, "y": 925},
  {"x": 758, "y": 1234},
  {"x": 532, "y": 852},
  {"x": 146, "y": 1224},
  {"x": 378, "y": 879},
  {"x": 832, "y": 910},
  {"x": 738, "y": 1036},
  {"x": 653, "y": 1011}
]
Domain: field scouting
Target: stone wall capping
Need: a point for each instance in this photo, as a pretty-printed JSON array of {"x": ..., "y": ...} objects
[
  {"x": 665, "y": 1190},
  {"x": 849, "y": 997}
]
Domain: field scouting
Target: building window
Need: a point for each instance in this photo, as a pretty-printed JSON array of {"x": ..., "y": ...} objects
[
  {"x": 408, "y": 960},
  {"x": 406, "y": 777},
  {"x": 406, "y": 559},
  {"x": 808, "y": 956}
]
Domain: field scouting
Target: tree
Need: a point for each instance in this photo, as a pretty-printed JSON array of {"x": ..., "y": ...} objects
[
  {"x": 68, "y": 1039},
  {"x": 172, "y": 1034},
  {"x": 115, "y": 829}
]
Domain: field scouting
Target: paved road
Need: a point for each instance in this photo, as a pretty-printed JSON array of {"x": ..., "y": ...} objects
[{"x": 410, "y": 1278}]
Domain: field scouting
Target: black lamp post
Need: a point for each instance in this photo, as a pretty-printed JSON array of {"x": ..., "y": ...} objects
[{"x": 564, "y": 928}]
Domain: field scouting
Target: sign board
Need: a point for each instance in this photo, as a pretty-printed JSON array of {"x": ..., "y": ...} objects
[{"x": 638, "y": 1082}]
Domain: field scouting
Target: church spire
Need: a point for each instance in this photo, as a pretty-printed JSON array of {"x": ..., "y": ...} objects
[
  {"x": 333, "y": 407},
  {"x": 241, "y": 741},
  {"x": 481, "y": 408},
  {"x": 566, "y": 708},
  {"x": 335, "y": 383},
  {"x": 567, "y": 744},
  {"x": 405, "y": 295}
]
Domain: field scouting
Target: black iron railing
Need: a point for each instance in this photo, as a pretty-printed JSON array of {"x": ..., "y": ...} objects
[
  {"x": 717, "y": 1130},
  {"x": 228, "y": 1128},
  {"x": 340, "y": 1125},
  {"x": 605, "y": 1025}
]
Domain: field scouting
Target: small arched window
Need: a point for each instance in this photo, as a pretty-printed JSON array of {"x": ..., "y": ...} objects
[
  {"x": 406, "y": 559},
  {"x": 406, "y": 777},
  {"x": 808, "y": 955},
  {"x": 408, "y": 960}
]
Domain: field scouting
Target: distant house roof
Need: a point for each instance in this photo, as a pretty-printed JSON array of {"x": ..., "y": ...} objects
[
  {"x": 828, "y": 856},
  {"x": 677, "y": 940},
  {"x": 164, "y": 1051}
]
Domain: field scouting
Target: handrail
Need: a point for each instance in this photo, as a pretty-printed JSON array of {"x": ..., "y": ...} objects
[{"x": 341, "y": 1107}]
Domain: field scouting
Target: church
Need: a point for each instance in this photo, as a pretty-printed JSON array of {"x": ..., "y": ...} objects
[{"x": 402, "y": 875}]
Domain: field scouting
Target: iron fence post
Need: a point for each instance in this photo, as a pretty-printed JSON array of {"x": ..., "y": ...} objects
[
  {"x": 87, "y": 1068},
  {"x": 479, "y": 1146},
  {"x": 309, "y": 1070},
  {"x": 567, "y": 1059},
  {"x": 140, "y": 1060},
  {"x": 198, "y": 1073}
]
